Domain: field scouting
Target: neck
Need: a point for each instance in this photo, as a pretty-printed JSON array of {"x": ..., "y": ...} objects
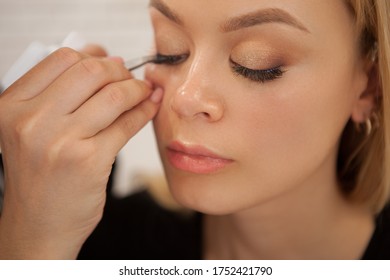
[{"x": 313, "y": 221}]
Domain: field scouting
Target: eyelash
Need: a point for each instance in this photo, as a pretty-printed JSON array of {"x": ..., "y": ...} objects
[
  {"x": 260, "y": 76},
  {"x": 170, "y": 59}
]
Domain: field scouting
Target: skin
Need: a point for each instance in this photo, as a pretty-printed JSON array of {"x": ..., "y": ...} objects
[{"x": 282, "y": 135}]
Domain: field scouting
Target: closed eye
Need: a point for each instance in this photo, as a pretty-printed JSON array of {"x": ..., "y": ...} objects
[
  {"x": 261, "y": 75},
  {"x": 170, "y": 59}
]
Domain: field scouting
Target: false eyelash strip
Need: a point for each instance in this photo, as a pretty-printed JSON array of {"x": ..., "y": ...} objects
[{"x": 157, "y": 59}]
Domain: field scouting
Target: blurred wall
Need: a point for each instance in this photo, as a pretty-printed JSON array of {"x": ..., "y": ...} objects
[{"x": 121, "y": 26}]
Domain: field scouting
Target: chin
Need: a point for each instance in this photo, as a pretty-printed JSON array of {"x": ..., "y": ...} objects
[{"x": 201, "y": 194}]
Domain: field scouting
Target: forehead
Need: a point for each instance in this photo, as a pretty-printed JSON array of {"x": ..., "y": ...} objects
[{"x": 301, "y": 14}]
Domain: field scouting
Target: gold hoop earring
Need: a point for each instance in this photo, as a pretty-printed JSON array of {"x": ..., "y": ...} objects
[
  {"x": 364, "y": 127},
  {"x": 374, "y": 52},
  {"x": 368, "y": 127}
]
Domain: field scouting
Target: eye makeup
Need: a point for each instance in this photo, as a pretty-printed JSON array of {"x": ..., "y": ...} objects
[
  {"x": 262, "y": 75},
  {"x": 156, "y": 59},
  {"x": 257, "y": 62}
]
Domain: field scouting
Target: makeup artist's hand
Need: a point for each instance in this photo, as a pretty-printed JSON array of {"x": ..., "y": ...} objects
[
  {"x": 94, "y": 50},
  {"x": 61, "y": 127}
]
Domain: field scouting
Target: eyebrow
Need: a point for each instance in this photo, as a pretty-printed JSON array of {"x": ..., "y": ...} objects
[
  {"x": 271, "y": 15},
  {"x": 261, "y": 17},
  {"x": 165, "y": 10}
]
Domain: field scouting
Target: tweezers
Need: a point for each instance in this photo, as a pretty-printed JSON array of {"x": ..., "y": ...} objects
[{"x": 141, "y": 61}]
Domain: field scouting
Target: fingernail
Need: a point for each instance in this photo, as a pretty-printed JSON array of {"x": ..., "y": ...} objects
[{"x": 157, "y": 95}]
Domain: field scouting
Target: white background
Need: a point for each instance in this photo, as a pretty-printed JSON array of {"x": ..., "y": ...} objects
[{"x": 121, "y": 26}]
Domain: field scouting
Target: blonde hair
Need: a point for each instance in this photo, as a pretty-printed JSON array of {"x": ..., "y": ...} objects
[{"x": 364, "y": 161}]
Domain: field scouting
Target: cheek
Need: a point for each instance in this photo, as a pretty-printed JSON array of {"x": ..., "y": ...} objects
[{"x": 294, "y": 127}]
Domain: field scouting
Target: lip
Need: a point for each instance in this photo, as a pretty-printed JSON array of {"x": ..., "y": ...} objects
[{"x": 195, "y": 158}]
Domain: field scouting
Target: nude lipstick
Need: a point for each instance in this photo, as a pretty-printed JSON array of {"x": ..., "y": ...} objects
[{"x": 195, "y": 158}]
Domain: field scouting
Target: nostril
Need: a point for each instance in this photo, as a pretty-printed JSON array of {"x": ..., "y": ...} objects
[{"x": 206, "y": 115}]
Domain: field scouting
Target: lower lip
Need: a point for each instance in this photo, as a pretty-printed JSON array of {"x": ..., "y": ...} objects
[{"x": 196, "y": 163}]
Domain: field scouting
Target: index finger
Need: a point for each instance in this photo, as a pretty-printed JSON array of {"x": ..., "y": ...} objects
[{"x": 43, "y": 74}]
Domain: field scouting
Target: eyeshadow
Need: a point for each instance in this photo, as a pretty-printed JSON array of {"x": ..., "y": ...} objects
[{"x": 256, "y": 57}]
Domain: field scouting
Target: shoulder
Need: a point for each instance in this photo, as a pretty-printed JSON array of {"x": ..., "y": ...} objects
[
  {"x": 136, "y": 227},
  {"x": 379, "y": 246}
]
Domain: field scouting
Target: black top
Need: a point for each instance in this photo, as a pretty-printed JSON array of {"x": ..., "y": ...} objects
[
  {"x": 379, "y": 246},
  {"x": 136, "y": 227}
]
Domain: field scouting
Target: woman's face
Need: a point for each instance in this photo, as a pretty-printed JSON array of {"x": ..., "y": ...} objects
[{"x": 256, "y": 96}]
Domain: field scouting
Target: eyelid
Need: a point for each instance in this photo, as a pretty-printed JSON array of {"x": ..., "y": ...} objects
[
  {"x": 257, "y": 75},
  {"x": 234, "y": 64}
]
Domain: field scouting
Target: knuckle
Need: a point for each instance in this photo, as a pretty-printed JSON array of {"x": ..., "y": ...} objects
[
  {"x": 68, "y": 56},
  {"x": 133, "y": 121},
  {"x": 129, "y": 126},
  {"x": 86, "y": 154},
  {"x": 139, "y": 86},
  {"x": 24, "y": 126},
  {"x": 116, "y": 96},
  {"x": 148, "y": 111},
  {"x": 21, "y": 125},
  {"x": 93, "y": 66},
  {"x": 70, "y": 151}
]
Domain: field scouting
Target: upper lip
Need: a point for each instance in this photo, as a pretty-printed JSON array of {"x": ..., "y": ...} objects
[{"x": 193, "y": 149}]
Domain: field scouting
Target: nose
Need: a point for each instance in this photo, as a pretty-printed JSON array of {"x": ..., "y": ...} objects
[{"x": 198, "y": 96}]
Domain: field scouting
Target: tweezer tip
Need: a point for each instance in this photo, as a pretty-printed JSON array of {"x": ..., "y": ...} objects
[{"x": 138, "y": 62}]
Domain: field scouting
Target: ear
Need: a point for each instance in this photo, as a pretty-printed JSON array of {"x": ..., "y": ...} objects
[{"x": 366, "y": 103}]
